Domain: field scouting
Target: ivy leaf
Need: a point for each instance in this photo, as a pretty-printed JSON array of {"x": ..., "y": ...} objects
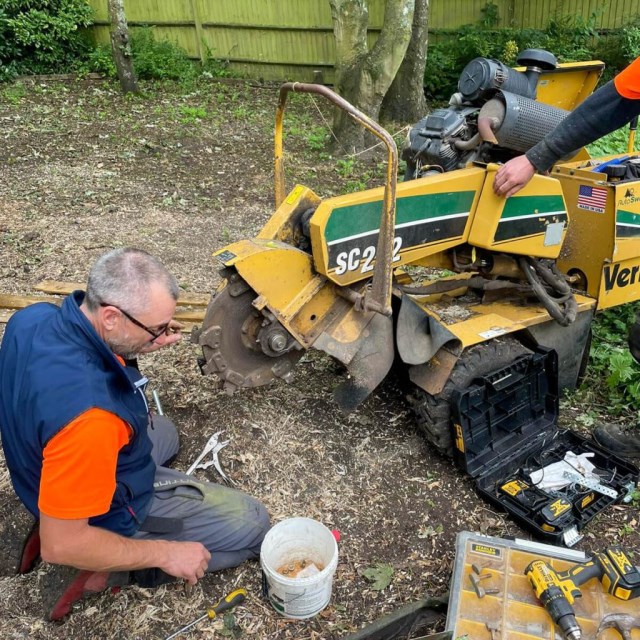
[
  {"x": 620, "y": 368},
  {"x": 380, "y": 575},
  {"x": 230, "y": 629}
]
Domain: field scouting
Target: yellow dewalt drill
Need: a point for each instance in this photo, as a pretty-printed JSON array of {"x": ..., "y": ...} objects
[{"x": 557, "y": 591}]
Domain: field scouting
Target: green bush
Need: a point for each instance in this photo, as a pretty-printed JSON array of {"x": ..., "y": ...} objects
[
  {"x": 571, "y": 37},
  {"x": 100, "y": 60},
  {"x": 155, "y": 60},
  {"x": 441, "y": 72},
  {"x": 567, "y": 37},
  {"x": 619, "y": 48},
  {"x": 160, "y": 59},
  {"x": 611, "y": 363},
  {"x": 41, "y": 36},
  {"x": 615, "y": 142}
]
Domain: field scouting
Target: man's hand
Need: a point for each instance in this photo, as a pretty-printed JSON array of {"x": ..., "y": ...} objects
[
  {"x": 512, "y": 176},
  {"x": 172, "y": 336},
  {"x": 187, "y": 560}
]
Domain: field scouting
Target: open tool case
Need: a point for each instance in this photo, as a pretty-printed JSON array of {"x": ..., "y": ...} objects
[
  {"x": 513, "y": 611},
  {"x": 505, "y": 425}
]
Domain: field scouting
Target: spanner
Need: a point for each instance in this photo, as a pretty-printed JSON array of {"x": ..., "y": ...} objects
[
  {"x": 215, "y": 461},
  {"x": 212, "y": 447}
]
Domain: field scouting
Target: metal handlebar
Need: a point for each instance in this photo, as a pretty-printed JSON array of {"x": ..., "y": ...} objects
[{"x": 378, "y": 297}]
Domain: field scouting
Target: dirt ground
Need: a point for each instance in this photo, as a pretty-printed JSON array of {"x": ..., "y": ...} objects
[{"x": 181, "y": 173}]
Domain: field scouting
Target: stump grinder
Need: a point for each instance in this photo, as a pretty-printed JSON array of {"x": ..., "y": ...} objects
[{"x": 436, "y": 273}]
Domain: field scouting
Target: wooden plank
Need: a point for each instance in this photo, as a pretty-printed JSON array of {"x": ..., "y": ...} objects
[
  {"x": 8, "y": 301},
  {"x": 20, "y": 302},
  {"x": 65, "y": 288},
  {"x": 5, "y": 314},
  {"x": 195, "y": 315},
  {"x": 57, "y": 287},
  {"x": 198, "y": 26}
]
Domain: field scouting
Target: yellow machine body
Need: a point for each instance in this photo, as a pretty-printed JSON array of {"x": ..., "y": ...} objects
[
  {"x": 420, "y": 271},
  {"x": 603, "y": 241},
  {"x": 433, "y": 215}
]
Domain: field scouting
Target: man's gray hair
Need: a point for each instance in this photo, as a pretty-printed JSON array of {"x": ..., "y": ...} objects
[{"x": 122, "y": 277}]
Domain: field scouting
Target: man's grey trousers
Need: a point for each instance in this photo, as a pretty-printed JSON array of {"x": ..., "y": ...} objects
[{"x": 229, "y": 523}]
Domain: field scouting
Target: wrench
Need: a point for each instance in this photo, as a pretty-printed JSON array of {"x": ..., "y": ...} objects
[
  {"x": 208, "y": 448},
  {"x": 215, "y": 461}
]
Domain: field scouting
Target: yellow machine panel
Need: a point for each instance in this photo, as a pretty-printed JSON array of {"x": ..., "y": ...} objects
[
  {"x": 432, "y": 215},
  {"x": 568, "y": 85},
  {"x": 626, "y": 200},
  {"x": 603, "y": 240},
  {"x": 481, "y": 322},
  {"x": 533, "y": 222},
  {"x": 620, "y": 283}
]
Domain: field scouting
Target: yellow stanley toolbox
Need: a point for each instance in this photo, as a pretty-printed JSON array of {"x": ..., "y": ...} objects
[{"x": 508, "y": 608}]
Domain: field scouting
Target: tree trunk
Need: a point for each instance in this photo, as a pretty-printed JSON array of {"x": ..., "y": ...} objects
[
  {"x": 363, "y": 76},
  {"x": 405, "y": 100},
  {"x": 121, "y": 47}
]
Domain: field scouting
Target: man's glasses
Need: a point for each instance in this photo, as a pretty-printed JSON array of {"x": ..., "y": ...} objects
[{"x": 155, "y": 333}]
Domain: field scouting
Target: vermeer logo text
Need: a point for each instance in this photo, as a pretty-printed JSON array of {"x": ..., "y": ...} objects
[{"x": 614, "y": 276}]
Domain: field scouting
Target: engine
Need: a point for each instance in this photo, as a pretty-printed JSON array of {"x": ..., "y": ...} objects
[
  {"x": 432, "y": 141},
  {"x": 491, "y": 118}
]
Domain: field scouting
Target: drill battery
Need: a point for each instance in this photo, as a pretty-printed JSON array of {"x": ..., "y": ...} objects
[
  {"x": 548, "y": 511},
  {"x": 620, "y": 577}
]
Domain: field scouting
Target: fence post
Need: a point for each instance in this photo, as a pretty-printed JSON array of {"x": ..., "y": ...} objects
[
  {"x": 511, "y": 13},
  {"x": 199, "y": 33}
]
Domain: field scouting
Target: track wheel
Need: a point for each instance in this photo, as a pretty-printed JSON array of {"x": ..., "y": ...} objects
[{"x": 433, "y": 413}]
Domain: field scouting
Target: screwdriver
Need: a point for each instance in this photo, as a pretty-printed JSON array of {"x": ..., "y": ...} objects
[{"x": 228, "y": 602}]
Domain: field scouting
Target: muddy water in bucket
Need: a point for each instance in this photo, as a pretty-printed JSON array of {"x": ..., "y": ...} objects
[{"x": 299, "y": 557}]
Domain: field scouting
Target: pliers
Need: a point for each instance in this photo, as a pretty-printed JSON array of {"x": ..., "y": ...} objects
[{"x": 212, "y": 447}]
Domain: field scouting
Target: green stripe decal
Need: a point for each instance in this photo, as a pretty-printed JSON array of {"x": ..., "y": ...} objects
[
  {"x": 626, "y": 217},
  {"x": 519, "y": 206},
  {"x": 362, "y": 218}
]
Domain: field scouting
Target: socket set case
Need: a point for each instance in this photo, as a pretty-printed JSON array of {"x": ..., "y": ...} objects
[
  {"x": 514, "y": 612},
  {"x": 505, "y": 426}
]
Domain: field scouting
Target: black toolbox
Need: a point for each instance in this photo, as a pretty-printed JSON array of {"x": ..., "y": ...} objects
[{"x": 505, "y": 426}]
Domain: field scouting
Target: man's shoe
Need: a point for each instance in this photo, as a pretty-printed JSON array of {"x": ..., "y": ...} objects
[
  {"x": 19, "y": 538},
  {"x": 62, "y": 586},
  {"x": 624, "y": 442}
]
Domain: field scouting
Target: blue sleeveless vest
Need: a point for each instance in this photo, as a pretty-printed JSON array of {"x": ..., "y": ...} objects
[{"x": 54, "y": 367}]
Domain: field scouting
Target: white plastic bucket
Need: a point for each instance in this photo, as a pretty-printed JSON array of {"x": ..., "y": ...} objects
[{"x": 294, "y": 540}]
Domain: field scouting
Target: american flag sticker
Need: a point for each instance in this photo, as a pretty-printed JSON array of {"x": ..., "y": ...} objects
[{"x": 592, "y": 198}]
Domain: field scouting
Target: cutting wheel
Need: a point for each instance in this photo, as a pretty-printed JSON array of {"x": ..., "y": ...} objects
[{"x": 243, "y": 346}]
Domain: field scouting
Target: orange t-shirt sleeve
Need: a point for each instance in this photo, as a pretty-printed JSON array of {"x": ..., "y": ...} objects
[
  {"x": 79, "y": 466},
  {"x": 627, "y": 82}
]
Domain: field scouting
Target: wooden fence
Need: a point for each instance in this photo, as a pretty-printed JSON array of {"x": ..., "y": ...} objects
[{"x": 293, "y": 39}]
